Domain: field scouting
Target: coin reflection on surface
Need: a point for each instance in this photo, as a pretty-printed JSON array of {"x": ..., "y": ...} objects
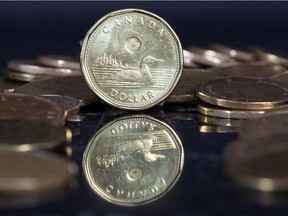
[{"x": 133, "y": 160}]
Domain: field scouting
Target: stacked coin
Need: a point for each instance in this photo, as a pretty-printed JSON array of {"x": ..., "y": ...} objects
[
  {"x": 240, "y": 97},
  {"x": 45, "y": 66}
]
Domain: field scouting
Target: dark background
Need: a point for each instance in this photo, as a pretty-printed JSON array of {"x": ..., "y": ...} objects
[{"x": 32, "y": 28}]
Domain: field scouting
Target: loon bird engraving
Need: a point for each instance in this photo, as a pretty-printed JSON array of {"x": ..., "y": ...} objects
[{"x": 133, "y": 75}]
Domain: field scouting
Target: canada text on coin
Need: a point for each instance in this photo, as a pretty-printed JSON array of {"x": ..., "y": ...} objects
[
  {"x": 133, "y": 160},
  {"x": 131, "y": 59}
]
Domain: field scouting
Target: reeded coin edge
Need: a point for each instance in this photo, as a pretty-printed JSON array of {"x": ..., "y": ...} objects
[
  {"x": 220, "y": 112},
  {"x": 101, "y": 94},
  {"x": 100, "y": 192}
]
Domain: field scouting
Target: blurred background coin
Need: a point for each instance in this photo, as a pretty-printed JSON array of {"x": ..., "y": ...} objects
[
  {"x": 31, "y": 107},
  {"x": 74, "y": 86},
  {"x": 70, "y": 105},
  {"x": 26, "y": 135},
  {"x": 32, "y": 67},
  {"x": 59, "y": 61}
]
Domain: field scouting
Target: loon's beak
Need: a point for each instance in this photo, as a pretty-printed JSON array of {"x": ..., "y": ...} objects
[{"x": 159, "y": 60}]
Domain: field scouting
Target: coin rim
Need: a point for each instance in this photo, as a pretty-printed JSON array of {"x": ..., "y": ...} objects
[{"x": 237, "y": 104}]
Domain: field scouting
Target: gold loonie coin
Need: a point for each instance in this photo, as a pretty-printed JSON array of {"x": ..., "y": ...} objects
[
  {"x": 217, "y": 129},
  {"x": 70, "y": 105},
  {"x": 131, "y": 59},
  {"x": 23, "y": 172},
  {"x": 243, "y": 92},
  {"x": 59, "y": 61},
  {"x": 144, "y": 153},
  {"x": 32, "y": 67},
  {"x": 184, "y": 92},
  {"x": 264, "y": 126},
  {"x": 23, "y": 77},
  {"x": 255, "y": 69},
  {"x": 30, "y": 107},
  {"x": 226, "y": 122},
  {"x": 26, "y": 135},
  {"x": 260, "y": 164},
  {"x": 236, "y": 54},
  {"x": 220, "y": 112},
  {"x": 73, "y": 86}
]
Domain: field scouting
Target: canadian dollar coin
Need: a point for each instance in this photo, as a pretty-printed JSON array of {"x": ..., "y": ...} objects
[
  {"x": 131, "y": 59},
  {"x": 133, "y": 160}
]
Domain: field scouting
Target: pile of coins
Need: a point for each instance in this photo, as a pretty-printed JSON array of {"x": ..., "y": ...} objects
[{"x": 136, "y": 69}]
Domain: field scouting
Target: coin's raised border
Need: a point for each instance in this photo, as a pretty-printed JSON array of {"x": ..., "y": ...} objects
[{"x": 140, "y": 106}]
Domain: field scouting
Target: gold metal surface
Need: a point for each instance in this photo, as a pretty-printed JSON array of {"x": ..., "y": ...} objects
[
  {"x": 133, "y": 160},
  {"x": 131, "y": 59}
]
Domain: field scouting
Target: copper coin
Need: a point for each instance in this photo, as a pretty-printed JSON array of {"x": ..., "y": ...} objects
[
  {"x": 70, "y": 105},
  {"x": 255, "y": 69},
  {"x": 221, "y": 112},
  {"x": 22, "y": 172},
  {"x": 184, "y": 91},
  {"x": 31, "y": 107},
  {"x": 237, "y": 54},
  {"x": 59, "y": 61},
  {"x": 243, "y": 92},
  {"x": 264, "y": 127},
  {"x": 32, "y": 67},
  {"x": 74, "y": 86},
  {"x": 26, "y": 134}
]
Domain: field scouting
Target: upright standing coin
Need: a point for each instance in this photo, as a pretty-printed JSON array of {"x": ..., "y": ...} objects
[
  {"x": 243, "y": 92},
  {"x": 31, "y": 107},
  {"x": 133, "y": 160},
  {"x": 131, "y": 59}
]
